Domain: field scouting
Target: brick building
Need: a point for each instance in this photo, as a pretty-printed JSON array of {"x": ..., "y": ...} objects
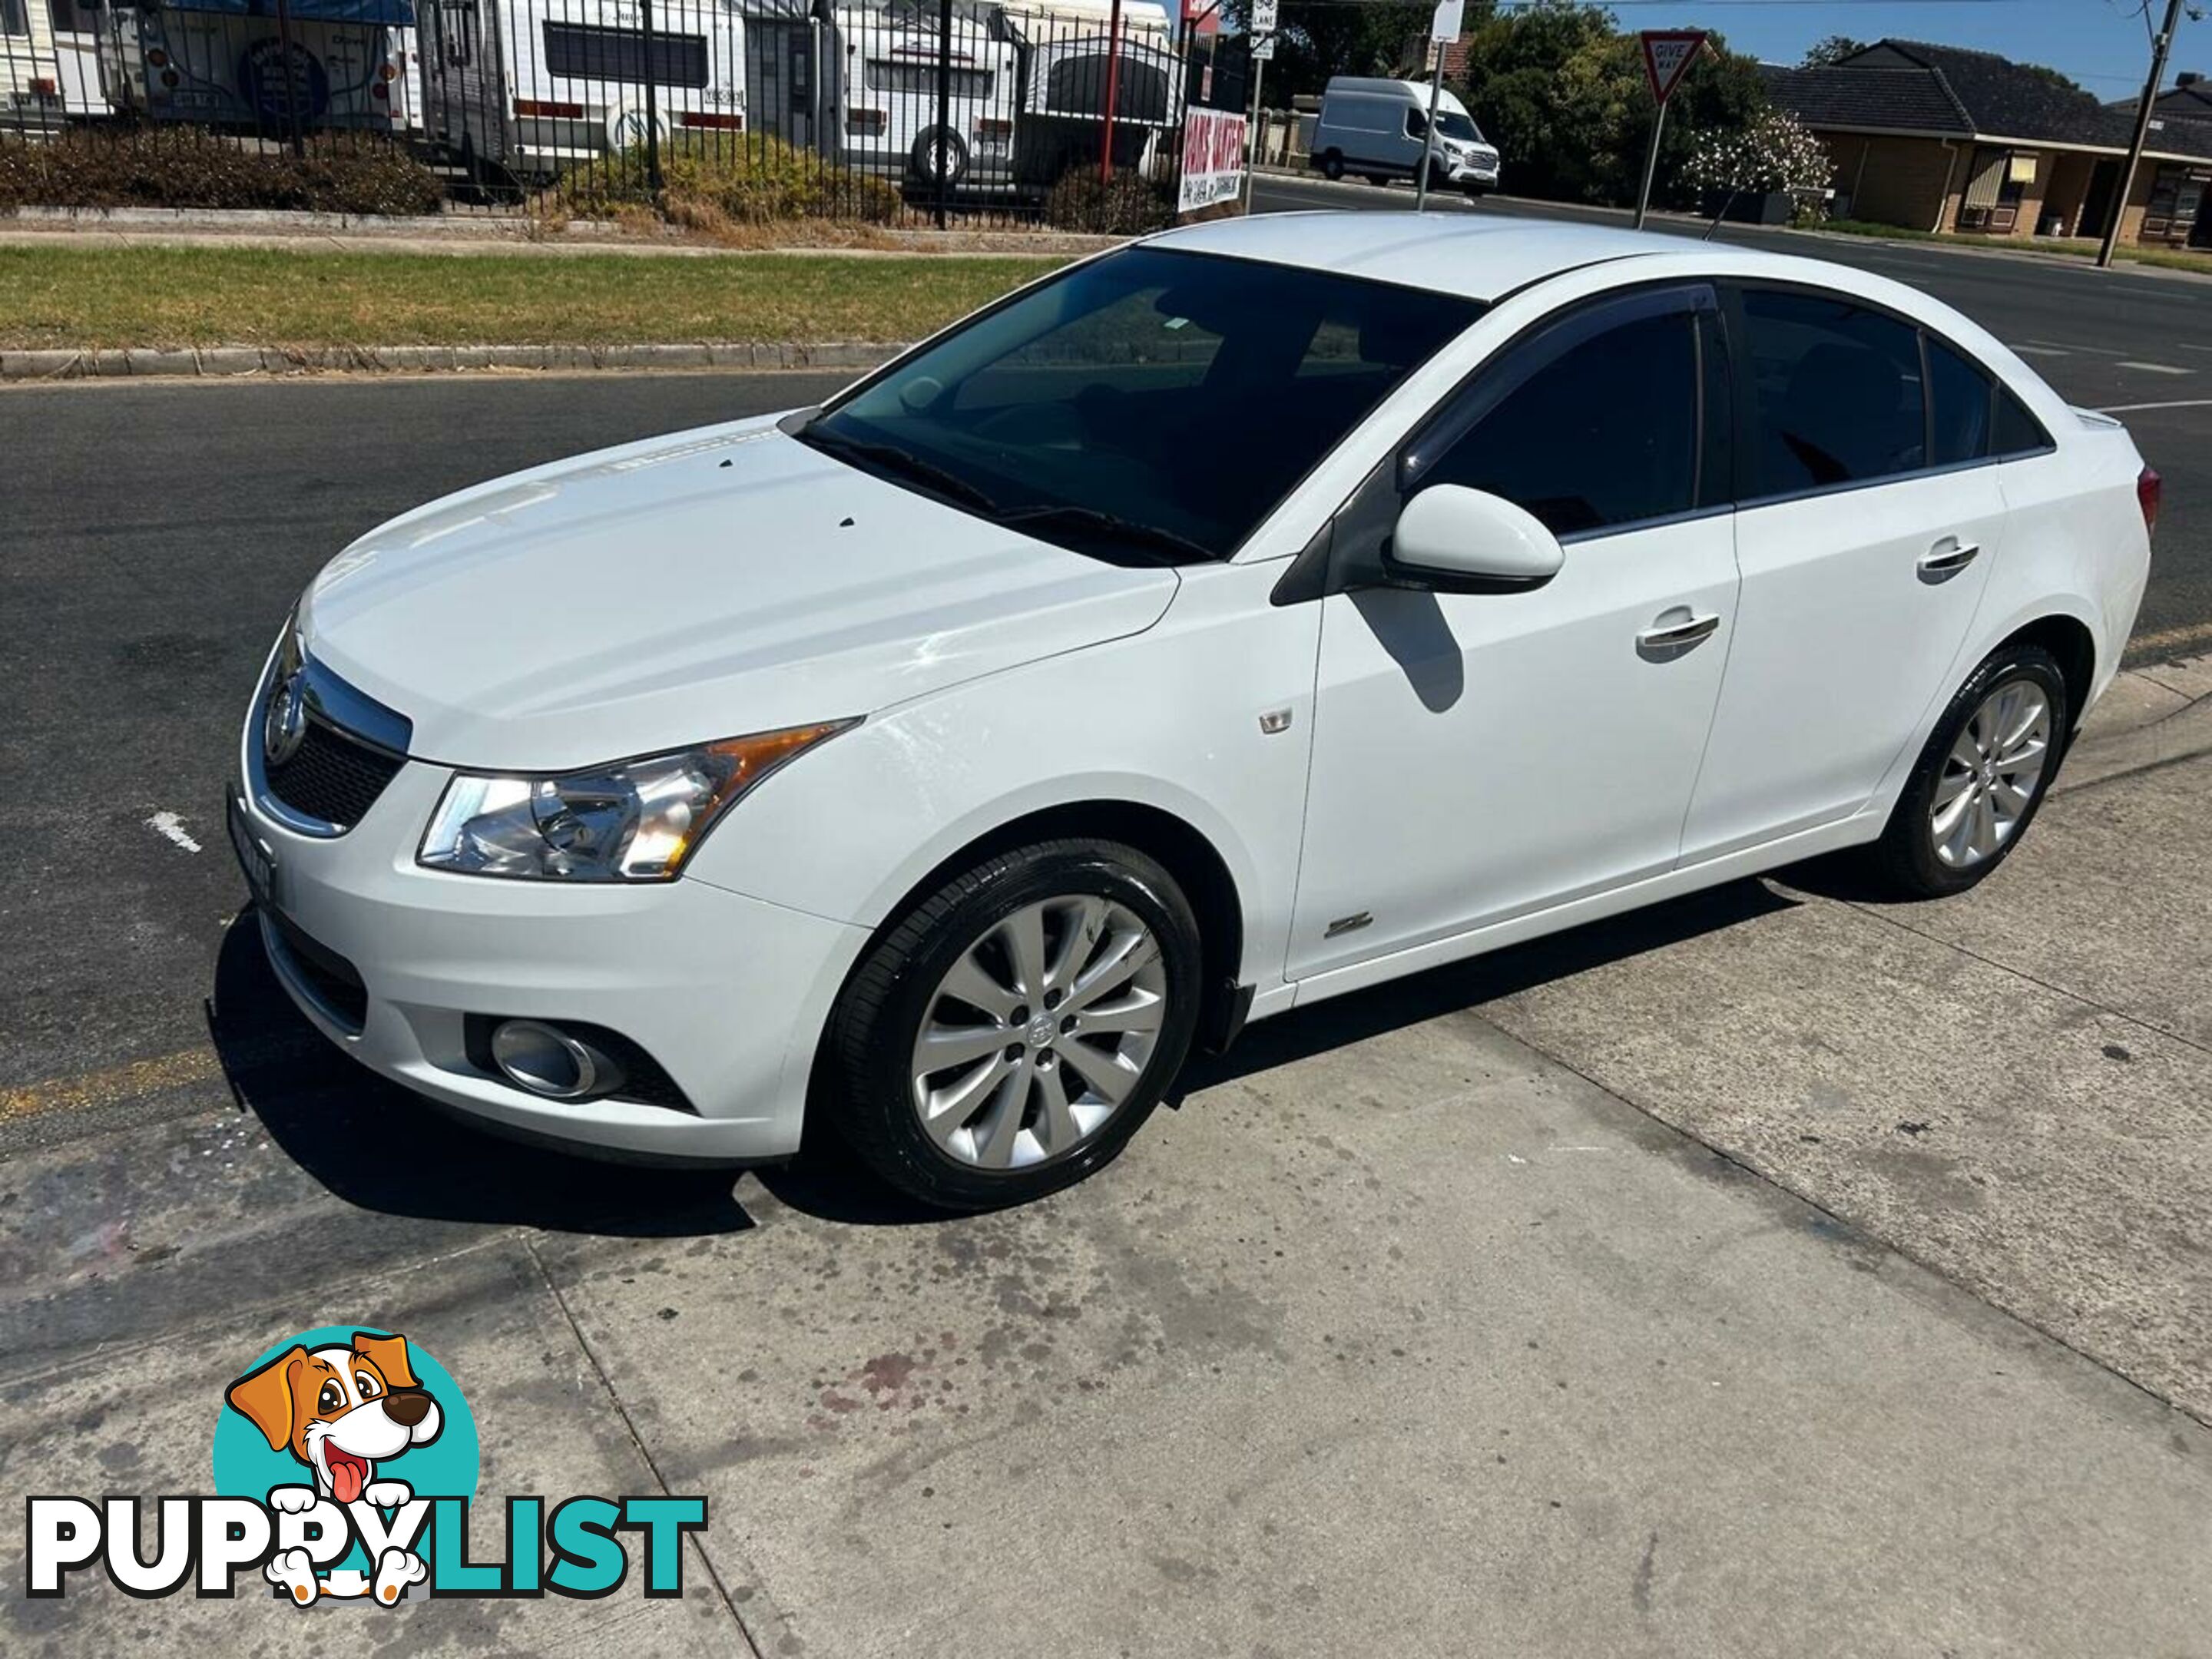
[{"x": 1941, "y": 138}]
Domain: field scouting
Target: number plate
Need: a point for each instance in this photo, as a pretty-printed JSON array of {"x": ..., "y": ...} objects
[{"x": 259, "y": 863}]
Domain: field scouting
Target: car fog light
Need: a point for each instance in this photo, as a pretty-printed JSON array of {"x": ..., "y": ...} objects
[{"x": 546, "y": 1061}]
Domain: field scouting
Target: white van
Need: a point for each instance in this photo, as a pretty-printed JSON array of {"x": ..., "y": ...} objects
[
  {"x": 527, "y": 87},
  {"x": 1380, "y": 129}
]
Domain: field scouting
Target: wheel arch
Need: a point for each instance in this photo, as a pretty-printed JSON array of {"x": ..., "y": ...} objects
[
  {"x": 1184, "y": 849},
  {"x": 2068, "y": 639}
]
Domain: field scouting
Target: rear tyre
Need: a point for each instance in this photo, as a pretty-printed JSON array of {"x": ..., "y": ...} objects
[
  {"x": 1978, "y": 784},
  {"x": 1014, "y": 1028},
  {"x": 1332, "y": 167}
]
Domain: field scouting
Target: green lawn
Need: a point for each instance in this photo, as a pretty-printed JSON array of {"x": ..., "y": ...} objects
[{"x": 171, "y": 296}]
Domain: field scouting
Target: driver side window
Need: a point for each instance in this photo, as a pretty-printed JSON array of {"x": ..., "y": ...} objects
[{"x": 1594, "y": 436}]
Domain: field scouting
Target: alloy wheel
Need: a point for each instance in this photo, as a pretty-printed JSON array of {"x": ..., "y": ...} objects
[
  {"x": 1990, "y": 777},
  {"x": 1039, "y": 1032}
]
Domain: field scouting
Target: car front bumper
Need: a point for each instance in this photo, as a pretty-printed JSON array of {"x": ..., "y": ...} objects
[{"x": 727, "y": 994}]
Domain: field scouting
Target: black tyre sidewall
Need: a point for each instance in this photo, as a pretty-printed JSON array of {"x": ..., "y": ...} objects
[
  {"x": 1332, "y": 167},
  {"x": 1906, "y": 850},
  {"x": 872, "y": 1030}
]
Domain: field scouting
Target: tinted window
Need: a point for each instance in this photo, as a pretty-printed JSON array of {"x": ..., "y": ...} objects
[
  {"x": 1959, "y": 397},
  {"x": 1178, "y": 392},
  {"x": 1603, "y": 434},
  {"x": 588, "y": 52},
  {"x": 1837, "y": 390},
  {"x": 2017, "y": 432}
]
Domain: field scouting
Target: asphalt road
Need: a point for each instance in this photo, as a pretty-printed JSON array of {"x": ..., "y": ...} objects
[{"x": 2117, "y": 340}]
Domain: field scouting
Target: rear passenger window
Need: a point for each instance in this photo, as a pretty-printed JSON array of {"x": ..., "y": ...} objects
[
  {"x": 2019, "y": 433},
  {"x": 1959, "y": 395},
  {"x": 1838, "y": 393},
  {"x": 1605, "y": 434}
]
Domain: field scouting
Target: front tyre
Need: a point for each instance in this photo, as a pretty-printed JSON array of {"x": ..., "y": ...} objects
[
  {"x": 1015, "y": 1028},
  {"x": 1987, "y": 767}
]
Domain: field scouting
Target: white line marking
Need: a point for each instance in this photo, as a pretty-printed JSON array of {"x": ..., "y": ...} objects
[
  {"x": 170, "y": 827},
  {"x": 2062, "y": 345},
  {"x": 2185, "y": 403},
  {"x": 2154, "y": 368},
  {"x": 2042, "y": 351}
]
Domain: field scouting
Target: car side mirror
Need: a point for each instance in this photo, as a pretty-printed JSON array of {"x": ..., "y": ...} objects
[{"x": 1457, "y": 540}]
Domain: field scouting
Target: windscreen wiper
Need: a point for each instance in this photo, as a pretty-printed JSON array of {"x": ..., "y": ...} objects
[
  {"x": 1127, "y": 532},
  {"x": 891, "y": 458}
]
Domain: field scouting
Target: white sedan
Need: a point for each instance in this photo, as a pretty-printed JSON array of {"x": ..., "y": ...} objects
[{"x": 1243, "y": 617}]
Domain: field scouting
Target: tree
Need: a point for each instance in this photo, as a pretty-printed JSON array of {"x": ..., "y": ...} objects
[
  {"x": 1317, "y": 38},
  {"x": 1833, "y": 49},
  {"x": 1561, "y": 91}
]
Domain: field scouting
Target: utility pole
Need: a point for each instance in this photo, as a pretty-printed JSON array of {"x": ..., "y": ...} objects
[
  {"x": 1428, "y": 138},
  {"x": 2159, "y": 48}
]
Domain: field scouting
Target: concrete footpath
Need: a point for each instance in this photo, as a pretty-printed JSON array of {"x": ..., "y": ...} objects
[{"x": 1483, "y": 1313}]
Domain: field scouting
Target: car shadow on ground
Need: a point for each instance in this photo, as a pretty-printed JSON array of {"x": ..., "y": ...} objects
[
  {"x": 378, "y": 1146},
  {"x": 375, "y": 1144}
]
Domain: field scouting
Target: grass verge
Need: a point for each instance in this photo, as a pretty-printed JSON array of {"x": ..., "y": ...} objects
[
  {"x": 2078, "y": 247},
  {"x": 175, "y": 296}
]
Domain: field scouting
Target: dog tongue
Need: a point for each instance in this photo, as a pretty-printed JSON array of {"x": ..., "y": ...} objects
[{"x": 346, "y": 1479}]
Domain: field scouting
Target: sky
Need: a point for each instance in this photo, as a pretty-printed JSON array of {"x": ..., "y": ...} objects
[{"x": 2100, "y": 43}]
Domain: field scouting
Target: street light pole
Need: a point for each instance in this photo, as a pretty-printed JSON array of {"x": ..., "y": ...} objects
[
  {"x": 2160, "y": 48},
  {"x": 1429, "y": 138}
]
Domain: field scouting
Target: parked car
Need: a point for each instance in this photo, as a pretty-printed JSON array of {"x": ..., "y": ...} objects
[
  {"x": 1380, "y": 128},
  {"x": 1267, "y": 610}
]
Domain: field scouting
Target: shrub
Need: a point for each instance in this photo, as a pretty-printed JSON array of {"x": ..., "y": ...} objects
[
  {"x": 187, "y": 168},
  {"x": 709, "y": 180},
  {"x": 1128, "y": 204},
  {"x": 1772, "y": 152}
]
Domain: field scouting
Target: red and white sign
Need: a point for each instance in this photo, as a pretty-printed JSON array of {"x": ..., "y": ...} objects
[
  {"x": 1667, "y": 55},
  {"x": 1213, "y": 159}
]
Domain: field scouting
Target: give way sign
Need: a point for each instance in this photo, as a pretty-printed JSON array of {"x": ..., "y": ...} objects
[{"x": 1667, "y": 55}]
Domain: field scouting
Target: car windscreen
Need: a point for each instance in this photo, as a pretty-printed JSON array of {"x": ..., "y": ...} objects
[
  {"x": 1150, "y": 403},
  {"x": 1458, "y": 126}
]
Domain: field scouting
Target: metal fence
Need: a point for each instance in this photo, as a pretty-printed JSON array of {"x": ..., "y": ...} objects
[{"x": 913, "y": 111}]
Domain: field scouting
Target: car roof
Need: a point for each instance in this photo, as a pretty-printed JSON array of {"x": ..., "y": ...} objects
[{"x": 1479, "y": 256}]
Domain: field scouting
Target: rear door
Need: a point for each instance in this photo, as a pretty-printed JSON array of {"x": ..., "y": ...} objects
[{"x": 1868, "y": 518}]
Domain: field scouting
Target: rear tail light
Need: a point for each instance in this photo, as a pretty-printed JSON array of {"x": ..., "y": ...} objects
[
  {"x": 2148, "y": 487},
  {"x": 993, "y": 127},
  {"x": 158, "y": 58},
  {"x": 721, "y": 123},
  {"x": 547, "y": 110},
  {"x": 378, "y": 90},
  {"x": 44, "y": 86},
  {"x": 865, "y": 123}
]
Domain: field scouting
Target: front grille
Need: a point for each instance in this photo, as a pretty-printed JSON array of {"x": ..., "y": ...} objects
[
  {"x": 328, "y": 977},
  {"x": 332, "y": 776}
]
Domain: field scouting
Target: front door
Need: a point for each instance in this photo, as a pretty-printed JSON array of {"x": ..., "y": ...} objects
[{"x": 1480, "y": 755}]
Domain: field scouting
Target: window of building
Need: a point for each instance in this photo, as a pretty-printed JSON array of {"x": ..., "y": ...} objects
[{"x": 1996, "y": 182}]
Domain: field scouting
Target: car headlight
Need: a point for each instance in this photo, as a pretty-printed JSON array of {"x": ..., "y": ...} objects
[{"x": 634, "y": 820}]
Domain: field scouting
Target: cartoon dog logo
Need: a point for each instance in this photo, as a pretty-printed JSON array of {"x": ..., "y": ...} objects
[{"x": 340, "y": 1411}]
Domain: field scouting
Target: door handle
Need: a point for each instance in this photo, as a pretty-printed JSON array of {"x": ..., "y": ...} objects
[
  {"x": 1663, "y": 638},
  {"x": 1946, "y": 559}
]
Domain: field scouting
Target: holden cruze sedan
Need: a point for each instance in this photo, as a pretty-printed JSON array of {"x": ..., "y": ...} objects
[{"x": 1246, "y": 615}]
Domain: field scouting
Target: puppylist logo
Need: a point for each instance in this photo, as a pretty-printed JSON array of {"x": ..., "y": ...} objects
[{"x": 345, "y": 1471}]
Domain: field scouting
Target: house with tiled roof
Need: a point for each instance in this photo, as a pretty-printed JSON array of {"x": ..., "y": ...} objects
[{"x": 1941, "y": 138}]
